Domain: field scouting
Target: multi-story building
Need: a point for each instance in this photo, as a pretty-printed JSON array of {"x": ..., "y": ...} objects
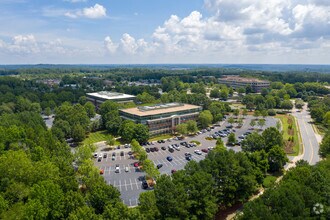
[
  {"x": 162, "y": 118},
  {"x": 236, "y": 82},
  {"x": 99, "y": 97}
]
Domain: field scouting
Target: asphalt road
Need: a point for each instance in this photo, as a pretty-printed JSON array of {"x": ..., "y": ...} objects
[
  {"x": 129, "y": 183},
  {"x": 311, "y": 145}
]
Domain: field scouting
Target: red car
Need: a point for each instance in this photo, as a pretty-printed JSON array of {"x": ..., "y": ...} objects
[
  {"x": 136, "y": 164},
  {"x": 205, "y": 150},
  {"x": 173, "y": 171},
  {"x": 101, "y": 171}
]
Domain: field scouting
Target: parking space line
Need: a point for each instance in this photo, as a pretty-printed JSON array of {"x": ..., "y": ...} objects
[
  {"x": 130, "y": 180},
  {"x": 120, "y": 185},
  {"x": 114, "y": 183},
  {"x": 125, "y": 185},
  {"x": 136, "y": 184}
]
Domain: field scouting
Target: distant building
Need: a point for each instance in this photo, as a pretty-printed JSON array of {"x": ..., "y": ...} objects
[
  {"x": 162, "y": 118},
  {"x": 50, "y": 82},
  {"x": 236, "y": 82},
  {"x": 99, "y": 97}
]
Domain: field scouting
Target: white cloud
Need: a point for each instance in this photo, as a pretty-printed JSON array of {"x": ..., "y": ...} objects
[
  {"x": 109, "y": 45},
  {"x": 94, "y": 12}
]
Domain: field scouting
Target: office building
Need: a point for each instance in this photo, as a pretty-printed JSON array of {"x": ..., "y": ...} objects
[
  {"x": 236, "y": 82},
  {"x": 99, "y": 97},
  {"x": 162, "y": 118}
]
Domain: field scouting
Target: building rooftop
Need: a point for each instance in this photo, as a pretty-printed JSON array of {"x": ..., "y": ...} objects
[
  {"x": 242, "y": 79},
  {"x": 159, "y": 109},
  {"x": 110, "y": 95}
]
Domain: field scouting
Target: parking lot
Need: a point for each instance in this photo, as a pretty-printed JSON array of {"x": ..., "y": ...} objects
[{"x": 129, "y": 182}]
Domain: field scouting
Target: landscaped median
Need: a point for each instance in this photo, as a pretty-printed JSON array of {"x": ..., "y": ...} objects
[{"x": 291, "y": 134}]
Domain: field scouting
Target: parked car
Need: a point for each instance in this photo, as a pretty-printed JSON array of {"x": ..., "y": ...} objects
[
  {"x": 173, "y": 170},
  {"x": 117, "y": 169},
  {"x": 101, "y": 171},
  {"x": 113, "y": 157},
  {"x": 159, "y": 166},
  {"x": 105, "y": 155},
  {"x": 156, "y": 149},
  {"x": 145, "y": 184},
  {"x": 198, "y": 152},
  {"x": 147, "y": 150},
  {"x": 152, "y": 149},
  {"x": 171, "y": 150},
  {"x": 163, "y": 148},
  {"x": 136, "y": 164},
  {"x": 169, "y": 158},
  {"x": 99, "y": 159},
  {"x": 126, "y": 169},
  {"x": 130, "y": 153},
  {"x": 95, "y": 155},
  {"x": 122, "y": 153},
  {"x": 204, "y": 150}
]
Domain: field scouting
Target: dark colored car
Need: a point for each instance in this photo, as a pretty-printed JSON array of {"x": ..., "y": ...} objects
[
  {"x": 130, "y": 153},
  {"x": 148, "y": 150},
  {"x": 145, "y": 184},
  {"x": 173, "y": 170},
  {"x": 163, "y": 148},
  {"x": 105, "y": 155},
  {"x": 156, "y": 148},
  {"x": 152, "y": 149},
  {"x": 169, "y": 158},
  {"x": 122, "y": 153},
  {"x": 114, "y": 154},
  {"x": 159, "y": 166},
  {"x": 205, "y": 150},
  {"x": 171, "y": 150}
]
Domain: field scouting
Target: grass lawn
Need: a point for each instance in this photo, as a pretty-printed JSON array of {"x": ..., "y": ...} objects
[
  {"x": 296, "y": 138},
  {"x": 97, "y": 137},
  {"x": 161, "y": 137}
]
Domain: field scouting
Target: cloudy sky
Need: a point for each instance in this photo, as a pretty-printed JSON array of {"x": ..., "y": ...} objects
[{"x": 164, "y": 31}]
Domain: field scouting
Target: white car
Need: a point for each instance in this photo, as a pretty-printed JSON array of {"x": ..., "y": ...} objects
[
  {"x": 198, "y": 152},
  {"x": 126, "y": 169},
  {"x": 95, "y": 155},
  {"x": 117, "y": 169}
]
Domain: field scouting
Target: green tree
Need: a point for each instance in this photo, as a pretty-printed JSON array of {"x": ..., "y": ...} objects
[
  {"x": 261, "y": 123},
  {"x": 253, "y": 123},
  {"x": 276, "y": 159},
  {"x": 287, "y": 105},
  {"x": 324, "y": 150},
  {"x": 78, "y": 133},
  {"x": 111, "y": 140},
  {"x": 141, "y": 133},
  {"x": 205, "y": 118},
  {"x": 272, "y": 138},
  {"x": 236, "y": 112},
  {"x": 231, "y": 120},
  {"x": 253, "y": 142},
  {"x": 47, "y": 111},
  {"x": 245, "y": 112},
  {"x": 256, "y": 114},
  {"x": 113, "y": 122},
  {"x": 148, "y": 206},
  {"x": 90, "y": 109},
  {"x": 145, "y": 98},
  {"x": 127, "y": 130},
  {"x": 231, "y": 139},
  {"x": 215, "y": 93},
  {"x": 150, "y": 169},
  {"x": 181, "y": 129},
  {"x": 240, "y": 122},
  {"x": 192, "y": 126}
]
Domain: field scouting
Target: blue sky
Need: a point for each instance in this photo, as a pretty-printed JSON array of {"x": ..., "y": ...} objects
[{"x": 164, "y": 31}]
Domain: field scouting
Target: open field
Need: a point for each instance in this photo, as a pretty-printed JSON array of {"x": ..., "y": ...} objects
[
  {"x": 98, "y": 136},
  {"x": 286, "y": 120}
]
